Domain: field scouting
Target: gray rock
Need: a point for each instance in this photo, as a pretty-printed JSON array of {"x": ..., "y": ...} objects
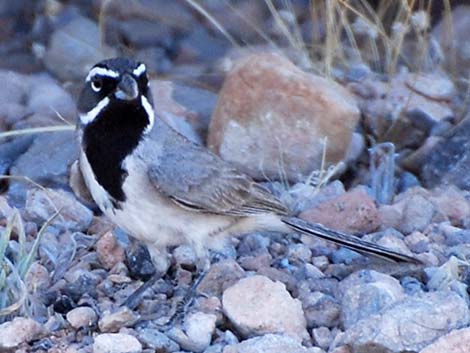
[
  {"x": 83, "y": 316},
  {"x": 116, "y": 343},
  {"x": 220, "y": 276},
  {"x": 448, "y": 162},
  {"x": 74, "y": 48},
  {"x": 156, "y": 340},
  {"x": 19, "y": 330},
  {"x": 408, "y": 325},
  {"x": 366, "y": 293},
  {"x": 322, "y": 337},
  {"x": 270, "y": 343},
  {"x": 41, "y": 204},
  {"x": 47, "y": 162},
  {"x": 417, "y": 214},
  {"x": 321, "y": 310}
]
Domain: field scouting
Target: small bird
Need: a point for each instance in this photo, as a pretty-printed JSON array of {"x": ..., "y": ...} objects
[{"x": 165, "y": 190}]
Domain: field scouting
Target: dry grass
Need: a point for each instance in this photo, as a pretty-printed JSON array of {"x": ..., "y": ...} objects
[{"x": 13, "y": 270}]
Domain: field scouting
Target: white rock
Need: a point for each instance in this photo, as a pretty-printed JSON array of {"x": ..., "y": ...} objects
[
  {"x": 116, "y": 343},
  {"x": 270, "y": 344},
  {"x": 17, "y": 331},
  {"x": 256, "y": 305},
  {"x": 83, "y": 316}
]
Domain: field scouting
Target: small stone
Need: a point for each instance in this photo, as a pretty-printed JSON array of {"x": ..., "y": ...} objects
[
  {"x": 322, "y": 337},
  {"x": 353, "y": 212},
  {"x": 116, "y": 343},
  {"x": 271, "y": 115},
  {"x": 109, "y": 251},
  {"x": 321, "y": 262},
  {"x": 366, "y": 293},
  {"x": 448, "y": 162},
  {"x": 19, "y": 330},
  {"x": 405, "y": 325},
  {"x": 139, "y": 262},
  {"x": 112, "y": 322},
  {"x": 42, "y": 204},
  {"x": 257, "y": 305},
  {"x": 220, "y": 276},
  {"x": 456, "y": 341},
  {"x": 270, "y": 343},
  {"x": 157, "y": 340},
  {"x": 185, "y": 255},
  {"x": 417, "y": 213},
  {"x": 83, "y": 316},
  {"x": 74, "y": 48},
  {"x": 434, "y": 86},
  {"x": 299, "y": 254},
  {"x": 321, "y": 310},
  {"x": 197, "y": 334}
]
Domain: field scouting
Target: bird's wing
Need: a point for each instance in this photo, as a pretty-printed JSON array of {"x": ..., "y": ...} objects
[{"x": 199, "y": 180}]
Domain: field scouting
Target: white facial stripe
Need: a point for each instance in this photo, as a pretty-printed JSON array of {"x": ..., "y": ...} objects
[
  {"x": 151, "y": 114},
  {"x": 101, "y": 71},
  {"x": 88, "y": 117},
  {"x": 139, "y": 70}
]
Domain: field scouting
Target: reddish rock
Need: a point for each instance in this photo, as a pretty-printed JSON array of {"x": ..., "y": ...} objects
[
  {"x": 109, "y": 251},
  {"x": 352, "y": 212},
  {"x": 271, "y": 118}
]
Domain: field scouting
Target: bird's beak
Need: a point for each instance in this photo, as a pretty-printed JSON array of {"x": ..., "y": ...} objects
[{"x": 127, "y": 88}]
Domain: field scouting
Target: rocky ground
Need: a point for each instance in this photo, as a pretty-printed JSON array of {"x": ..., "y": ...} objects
[{"x": 374, "y": 148}]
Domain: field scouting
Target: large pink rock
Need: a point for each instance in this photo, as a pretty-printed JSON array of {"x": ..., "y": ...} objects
[{"x": 271, "y": 119}]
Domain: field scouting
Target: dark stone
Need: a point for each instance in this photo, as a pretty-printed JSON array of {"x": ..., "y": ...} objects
[
  {"x": 139, "y": 262},
  {"x": 85, "y": 284},
  {"x": 449, "y": 161},
  {"x": 47, "y": 162}
]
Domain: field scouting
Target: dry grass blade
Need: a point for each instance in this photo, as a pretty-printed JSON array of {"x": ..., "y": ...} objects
[
  {"x": 212, "y": 20},
  {"x": 36, "y": 130}
]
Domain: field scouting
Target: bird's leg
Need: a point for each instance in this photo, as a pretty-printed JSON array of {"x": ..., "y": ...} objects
[
  {"x": 136, "y": 297},
  {"x": 202, "y": 267}
]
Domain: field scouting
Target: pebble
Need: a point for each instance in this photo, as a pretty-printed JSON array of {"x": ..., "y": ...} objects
[
  {"x": 113, "y": 321},
  {"x": 270, "y": 343},
  {"x": 74, "y": 48},
  {"x": 116, "y": 343},
  {"x": 439, "y": 169},
  {"x": 42, "y": 204},
  {"x": 366, "y": 293},
  {"x": 109, "y": 251},
  {"x": 83, "y": 316},
  {"x": 271, "y": 118},
  {"x": 158, "y": 341},
  {"x": 18, "y": 331},
  {"x": 456, "y": 341},
  {"x": 352, "y": 212},
  {"x": 405, "y": 325},
  {"x": 197, "y": 334},
  {"x": 321, "y": 310},
  {"x": 322, "y": 337},
  {"x": 256, "y": 305},
  {"x": 220, "y": 276}
]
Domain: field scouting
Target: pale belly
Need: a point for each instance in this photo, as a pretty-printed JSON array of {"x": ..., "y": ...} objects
[{"x": 156, "y": 220}]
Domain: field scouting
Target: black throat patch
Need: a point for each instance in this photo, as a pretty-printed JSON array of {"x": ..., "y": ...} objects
[{"x": 109, "y": 139}]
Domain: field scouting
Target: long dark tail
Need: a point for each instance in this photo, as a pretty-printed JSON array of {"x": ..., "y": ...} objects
[{"x": 346, "y": 240}]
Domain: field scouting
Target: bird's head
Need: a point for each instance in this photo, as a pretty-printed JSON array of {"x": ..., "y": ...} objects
[{"x": 117, "y": 94}]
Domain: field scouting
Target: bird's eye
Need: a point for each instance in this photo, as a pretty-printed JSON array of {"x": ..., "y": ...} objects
[{"x": 96, "y": 85}]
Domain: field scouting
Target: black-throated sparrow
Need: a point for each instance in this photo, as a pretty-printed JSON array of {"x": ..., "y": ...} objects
[{"x": 165, "y": 190}]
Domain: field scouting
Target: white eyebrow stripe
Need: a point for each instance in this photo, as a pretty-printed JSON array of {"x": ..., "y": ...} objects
[
  {"x": 88, "y": 117},
  {"x": 139, "y": 70},
  {"x": 150, "y": 112},
  {"x": 102, "y": 72}
]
